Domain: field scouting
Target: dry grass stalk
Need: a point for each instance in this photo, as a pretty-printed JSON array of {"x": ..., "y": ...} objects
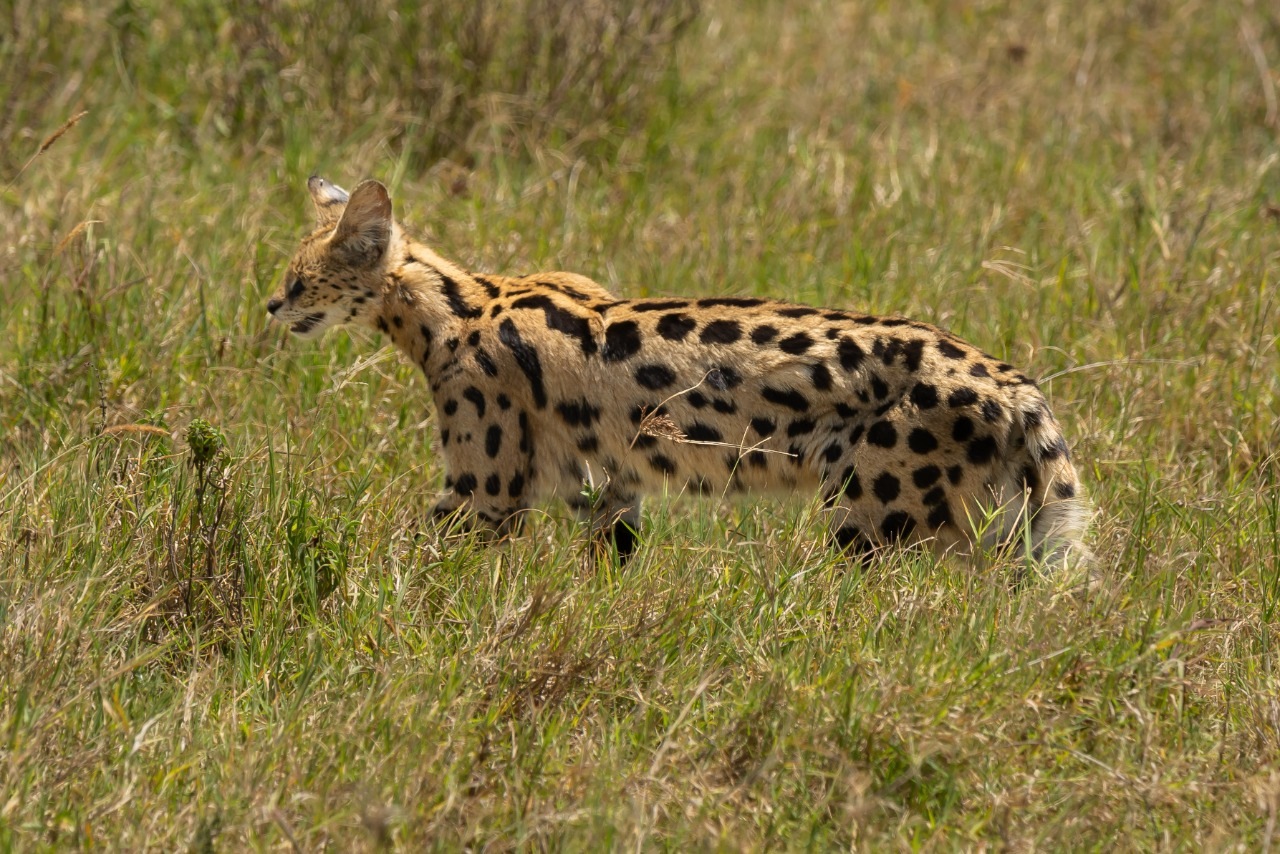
[{"x": 48, "y": 143}]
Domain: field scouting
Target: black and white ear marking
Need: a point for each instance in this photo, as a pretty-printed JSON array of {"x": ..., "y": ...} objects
[
  {"x": 362, "y": 235},
  {"x": 330, "y": 200}
]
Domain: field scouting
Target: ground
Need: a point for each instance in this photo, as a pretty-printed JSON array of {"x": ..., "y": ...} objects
[{"x": 223, "y": 626}]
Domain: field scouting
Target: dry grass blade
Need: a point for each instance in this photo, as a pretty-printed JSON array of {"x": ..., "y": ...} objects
[
  {"x": 73, "y": 234},
  {"x": 48, "y": 143}
]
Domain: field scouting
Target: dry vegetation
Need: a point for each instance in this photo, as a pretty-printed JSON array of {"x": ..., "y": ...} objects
[{"x": 223, "y": 625}]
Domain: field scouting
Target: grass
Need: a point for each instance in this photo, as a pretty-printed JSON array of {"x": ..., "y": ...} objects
[{"x": 270, "y": 650}]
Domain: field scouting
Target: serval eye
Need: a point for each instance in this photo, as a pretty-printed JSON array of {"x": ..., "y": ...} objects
[{"x": 296, "y": 289}]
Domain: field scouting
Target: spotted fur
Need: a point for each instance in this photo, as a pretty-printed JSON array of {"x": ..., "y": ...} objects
[{"x": 548, "y": 381}]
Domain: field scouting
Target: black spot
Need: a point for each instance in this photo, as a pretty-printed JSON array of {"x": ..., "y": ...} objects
[
  {"x": 490, "y": 288},
  {"x": 578, "y": 413},
  {"x": 962, "y": 397},
  {"x": 493, "y": 441},
  {"x": 526, "y": 357},
  {"x": 452, "y": 344},
  {"x": 473, "y": 339},
  {"x": 515, "y": 488},
  {"x": 982, "y": 449},
  {"x": 978, "y": 370},
  {"x": 758, "y": 460},
  {"x": 625, "y": 539},
  {"x": 675, "y": 327},
  {"x": 883, "y": 408},
  {"x": 731, "y": 302},
  {"x": 723, "y": 378},
  {"x": 524, "y": 433},
  {"x": 879, "y": 388},
  {"x": 560, "y": 320},
  {"x": 1057, "y": 448},
  {"x": 655, "y": 376},
  {"x": 851, "y": 355},
  {"x": 855, "y": 435},
  {"x": 949, "y": 350},
  {"x": 1029, "y": 478},
  {"x": 453, "y": 296},
  {"x": 897, "y": 525},
  {"x": 476, "y": 398},
  {"x": 621, "y": 341},
  {"x": 924, "y": 396},
  {"x": 835, "y": 316},
  {"x": 589, "y": 444},
  {"x": 851, "y": 485},
  {"x": 800, "y": 427},
  {"x": 398, "y": 321},
  {"x": 833, "y": 452},
  {"x": 962, "y": 429},
  {"x": 721, "y": 332},
  {"x": 493, "y": 484},
  {"x": 504, "y": 402},
  {"x": 894, "y": 321},
  {"x": 665, "y": 305},
  {"x": 465, "y": 484},
  {"x": 450, "y": 406},
  {"x": 991, "y": 410},
  {"x": 912, "y": 353},
  {"x": 926, "y": 476},
  {"x": 1064, "y": 490},
  {"x": 382, "y": 325},
  {"x": 955, "y": 474},
  {"x": 763, "y": 334},
  {"x": 696, "y": 399},
  {"x": 699, "y": 432},
  {"x": 796, "y": 345},
  {"x": 850, "y": 539},
  {"x": 728, "y": 407},
  {"x": 882, "y": 434},
  {"x": 763, "y": 426},
  {"x": 444, "y": 436},
  {"x": 939, "y": 516},
  {"x": 486, "y": 363},
  {"x": 886, "y": 487},
  {"x": 1033, "y": 419},
  {"x": 663, "y": 464},
  {"x": 820, "y": 376},
  {"x": 844, "y": 410},
  {"x": 922, "y": 441},
  {"x": 796, "y": 311},
  {"x": 934, "y": 496},
  {"x": 790, "y": 399},
  {"x": 887, "y": 350}
]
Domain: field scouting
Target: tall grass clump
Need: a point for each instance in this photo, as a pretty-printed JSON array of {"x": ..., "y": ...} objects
[{"x": 438, "y": 79}]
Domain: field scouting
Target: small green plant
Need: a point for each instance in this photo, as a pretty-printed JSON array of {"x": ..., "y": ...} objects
[{"x": 207, "y": 458}]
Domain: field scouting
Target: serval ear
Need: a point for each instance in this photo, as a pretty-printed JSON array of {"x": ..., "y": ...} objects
[
  {"x": 330, "y": 200},
  {"x": 364, "y": 231}
]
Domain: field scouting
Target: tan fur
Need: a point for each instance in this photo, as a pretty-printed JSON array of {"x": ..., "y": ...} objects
[{"x": 548, "y": 381}]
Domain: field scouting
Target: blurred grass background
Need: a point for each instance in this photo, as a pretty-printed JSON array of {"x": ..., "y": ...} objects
[{"x": 222, "y": 625}]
